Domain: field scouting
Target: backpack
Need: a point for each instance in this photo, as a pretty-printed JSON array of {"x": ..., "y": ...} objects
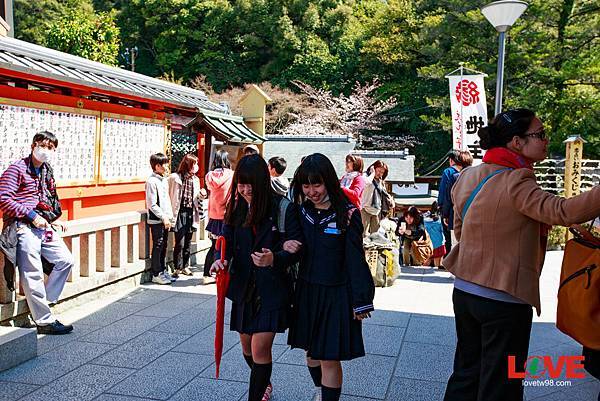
[{"x": 292, "y": 270}]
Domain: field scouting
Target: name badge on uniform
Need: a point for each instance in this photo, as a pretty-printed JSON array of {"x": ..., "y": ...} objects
[{"x": 332, "y": 229}]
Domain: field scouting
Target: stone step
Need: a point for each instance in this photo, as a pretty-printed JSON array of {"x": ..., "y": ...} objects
[{"x": 17, "y": 345}]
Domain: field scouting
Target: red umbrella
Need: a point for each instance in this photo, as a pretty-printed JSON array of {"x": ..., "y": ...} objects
[{"x": 222, "y": 285}]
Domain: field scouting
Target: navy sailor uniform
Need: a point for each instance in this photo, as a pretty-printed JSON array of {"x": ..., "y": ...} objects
[
  {"x": 334, "y": 282},
  {"x": 260, "y": 295}
]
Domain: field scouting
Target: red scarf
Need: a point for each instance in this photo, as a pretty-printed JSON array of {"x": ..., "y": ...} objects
[{"x": 507, "y": 158}]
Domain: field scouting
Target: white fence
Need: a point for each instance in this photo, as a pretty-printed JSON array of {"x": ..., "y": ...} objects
[{"x": 106, "y": 249}]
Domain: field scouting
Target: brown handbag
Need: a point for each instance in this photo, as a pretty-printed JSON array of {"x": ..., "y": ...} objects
[
  {"x": 421, "y": 249},
  {"x": 578, "y": 311}
]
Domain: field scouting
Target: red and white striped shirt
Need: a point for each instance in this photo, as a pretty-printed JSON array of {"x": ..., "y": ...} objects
[{"x": 19, "y": 191}]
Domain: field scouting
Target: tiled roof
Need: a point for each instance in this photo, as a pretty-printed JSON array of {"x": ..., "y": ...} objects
[{"x": 48, "y": 63}]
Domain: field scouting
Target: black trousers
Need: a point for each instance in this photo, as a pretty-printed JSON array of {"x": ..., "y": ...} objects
[
  {"x": 592, "y": 362},
  {"x": 159, "y": 248},
  {"x": 210, "y": 257},
  {"x": 488, "y": 332},
  {"x": 182, "y": 249}
]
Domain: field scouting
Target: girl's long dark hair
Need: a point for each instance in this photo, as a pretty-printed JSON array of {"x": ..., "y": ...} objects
[
  {"x": 415, "y": 214},
  {"x": 251, "y": 170},
  {"x": 221, "y": 160},
  {"x": 317, "y": 169}
]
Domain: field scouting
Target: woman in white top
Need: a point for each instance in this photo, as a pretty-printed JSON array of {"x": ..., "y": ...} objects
[
  {"x": 186, "y": 200},
  {"x": 373, "y": 196}
]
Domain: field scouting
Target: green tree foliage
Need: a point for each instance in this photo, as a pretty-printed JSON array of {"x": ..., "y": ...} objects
[
  {"x": 556, "y": 69},
  {"x": 552, "y": 64},
  {"x": 33, "y": 18},
  {"x": 95, "y": 36},
  {"x": 71, "y": 26}
]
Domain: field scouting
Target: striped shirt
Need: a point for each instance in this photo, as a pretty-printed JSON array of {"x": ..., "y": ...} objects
[{"x": 19, "y": 191}]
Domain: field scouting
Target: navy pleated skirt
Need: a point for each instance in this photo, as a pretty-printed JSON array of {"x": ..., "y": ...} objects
[
  {"x": 323, "y": 324},
  {"x": 245, "y": 320}
]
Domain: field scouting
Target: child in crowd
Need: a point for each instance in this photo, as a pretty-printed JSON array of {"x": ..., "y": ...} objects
[
  {"x": 433, "y": 225},
  {"x": 186, "y": 203},
  {"x": 260, "y": 287},
  {"x": 160, "y": 217},
  {"x": 250, "y": 150},
  {"x": 334, "y": 291}
]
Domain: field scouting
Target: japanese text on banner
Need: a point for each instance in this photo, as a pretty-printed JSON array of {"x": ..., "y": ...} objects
[{"x": 469, "y": 112}]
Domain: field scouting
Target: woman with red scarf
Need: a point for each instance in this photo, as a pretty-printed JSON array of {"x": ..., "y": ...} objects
[{"x": 501, "y": 219}]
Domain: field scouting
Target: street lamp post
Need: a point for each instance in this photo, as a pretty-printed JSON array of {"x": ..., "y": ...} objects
[
  {"x": 130, "y": 55},
  {"x": 502, "y": 15}
]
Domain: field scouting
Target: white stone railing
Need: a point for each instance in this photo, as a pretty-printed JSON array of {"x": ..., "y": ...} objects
[
  {"x": 550, "y": 174},
  {"x": 106, "y": 249}
]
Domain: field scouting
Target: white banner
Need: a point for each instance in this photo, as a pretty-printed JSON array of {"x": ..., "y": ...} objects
[{"x": 469, "y": 112}]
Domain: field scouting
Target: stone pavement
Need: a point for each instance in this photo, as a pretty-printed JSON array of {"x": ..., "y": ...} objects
[{"x": 156, "y": 343}]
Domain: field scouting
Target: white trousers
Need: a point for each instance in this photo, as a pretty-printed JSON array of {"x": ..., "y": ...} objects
[
  {"x": 34, "y": 244},
  {"x": 453, "y": 238}
]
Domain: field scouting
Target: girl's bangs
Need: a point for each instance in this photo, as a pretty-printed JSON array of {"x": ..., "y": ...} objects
[
  {"x": 245, "y": 176},
  {"x": 309, "y": 175}
]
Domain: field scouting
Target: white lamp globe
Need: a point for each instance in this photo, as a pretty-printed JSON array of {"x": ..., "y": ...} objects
[{"x": 503, "y": 14}]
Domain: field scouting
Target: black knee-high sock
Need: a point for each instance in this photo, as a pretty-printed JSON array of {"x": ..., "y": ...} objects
[
  {"x": 315, "y": 373},
  {"x": 259, "y": 380},
  {"x": 330, "y": 394},
  {"x": 249, "y": 360}
]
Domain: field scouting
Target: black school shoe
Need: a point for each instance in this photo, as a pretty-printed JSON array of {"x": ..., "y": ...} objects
[{"x": 55, "y": 328}]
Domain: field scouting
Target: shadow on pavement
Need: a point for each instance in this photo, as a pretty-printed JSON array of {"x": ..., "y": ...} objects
[{"x": 158, "y": 343}]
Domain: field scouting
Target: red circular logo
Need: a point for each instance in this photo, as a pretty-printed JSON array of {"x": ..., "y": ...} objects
[{"x": 467, "y": 92}]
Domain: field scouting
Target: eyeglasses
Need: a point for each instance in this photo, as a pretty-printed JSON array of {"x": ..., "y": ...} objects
[{"x": 541, "y": 134}]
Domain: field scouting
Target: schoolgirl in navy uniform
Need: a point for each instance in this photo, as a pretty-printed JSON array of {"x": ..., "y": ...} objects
[
  {"x": 260, "y": 287},
  {"x": 334, "y": 291}
]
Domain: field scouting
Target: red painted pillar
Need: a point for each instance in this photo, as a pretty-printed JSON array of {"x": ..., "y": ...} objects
[{"x": 201, "y": 157}]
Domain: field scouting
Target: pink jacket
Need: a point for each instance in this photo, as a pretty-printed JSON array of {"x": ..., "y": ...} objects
[
  {"x": 355, "y": 190},
  {"x": 218, "y": 182}
]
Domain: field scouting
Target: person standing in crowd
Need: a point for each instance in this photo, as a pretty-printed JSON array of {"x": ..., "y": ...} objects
[
  {"x": 334, "y": 290},
  {"x": 250, "y": 150},
  {"x": 260, "y": 287},
  {"x": 218, "y": 183},
  {"x": 500, "y": 220},
  {"x": 186, "y": 202},
  {"x": 433, "y": 226},
  {"x": 353, "y": 182},
  {"x": 280, "y": 184},
  {"x": 31, "y": 209},
  {"x": 444, "y": 201},
  {"x": 412, "y": 230},
  {"x": 459, "y": 159},
  {"x": 160, "y": 217},
  {"x": 373, "y": 196}
]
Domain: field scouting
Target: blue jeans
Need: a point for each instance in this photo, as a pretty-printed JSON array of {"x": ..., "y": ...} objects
[{"x": 33, "y": 244}]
